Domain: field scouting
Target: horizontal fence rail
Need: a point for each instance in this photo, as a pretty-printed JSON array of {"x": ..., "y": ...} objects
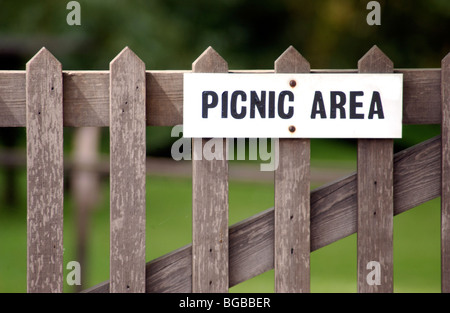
[
  {"x": 127, "y": 98},
  {"x": 86, "y": 97}
]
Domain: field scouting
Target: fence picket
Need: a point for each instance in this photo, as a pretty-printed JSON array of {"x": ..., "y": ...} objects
[
  {"x": 292, "y": 200},
  {"x": 209, "y": 202},
  {"x": 45, "y": 173},
  {"x": 445, "y": 196},
  {"x": 128, "y": 153},
  {"x": 375, "y": 198}
]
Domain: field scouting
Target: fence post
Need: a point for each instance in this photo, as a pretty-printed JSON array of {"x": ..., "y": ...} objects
[
  {"x": 209, "y": 202},
  {"x": 128, "y": 173},
  {"x": 375, "y": 197},
  {"x": 445, "y": 195},
  {"x": 292, "y": 198},
  {"x": 45, "y": 173}
]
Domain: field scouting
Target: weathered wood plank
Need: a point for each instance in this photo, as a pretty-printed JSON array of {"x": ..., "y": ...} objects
[
  {"x": 445, "y": 198},
  {"x": 165, "y": 105},
  {"x": 209, "y": 201},
  {"x": 417, "y": 179},
  {"x": 127, "y": 152},
  {"x": 421, "y": 100},
  {"x": 86, "y": 97},
  {"x": 292, "y": 209},
  {"x": 13, "y": 99},
  {"x": 45, "y": 173},
  {"x": 375, "y": 197}
]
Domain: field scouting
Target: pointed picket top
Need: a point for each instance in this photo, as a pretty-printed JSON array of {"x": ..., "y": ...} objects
[
  {"x": 445, "y": 94},
  {"x": 375, "y": 61},
  {"x": 445, "y": 73},
  {"x": 126, "y": 57},
  {"x": 44, "y": 55},
  {"x": 210, "y": 62},
  {"x": 446, "y": 61},
  {"x": 291, "y": 61}
]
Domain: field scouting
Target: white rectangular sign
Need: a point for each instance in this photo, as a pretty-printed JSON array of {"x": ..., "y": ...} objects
[{"x": 292, "y": 105}]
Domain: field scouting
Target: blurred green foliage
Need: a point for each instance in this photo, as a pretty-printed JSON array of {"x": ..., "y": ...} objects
[{"x": 170, "y": 34}]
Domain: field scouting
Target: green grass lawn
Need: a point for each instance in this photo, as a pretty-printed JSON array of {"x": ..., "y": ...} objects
[{"x": 333, "y": 268}]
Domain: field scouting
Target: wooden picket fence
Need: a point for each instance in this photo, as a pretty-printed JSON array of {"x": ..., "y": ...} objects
[{"x": 127, "y": 98}]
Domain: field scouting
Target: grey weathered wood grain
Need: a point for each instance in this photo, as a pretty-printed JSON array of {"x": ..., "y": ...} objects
[
  {"x": 209, "y": 202},
  {"x": 127, "y": 181},
  {"x": 445, "y": 198},
  {"x": 375, "y": 195},
  {"x": 417, "y": 179},
  {"x": 13, "y": 99},
  {"x": 45, "y": 173},
  {"x": 292, "y": 208},
  {"x": 421, "y": 101},
  {"x": 164, "y": 98},
  {"x": 86, "y": 97}
]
